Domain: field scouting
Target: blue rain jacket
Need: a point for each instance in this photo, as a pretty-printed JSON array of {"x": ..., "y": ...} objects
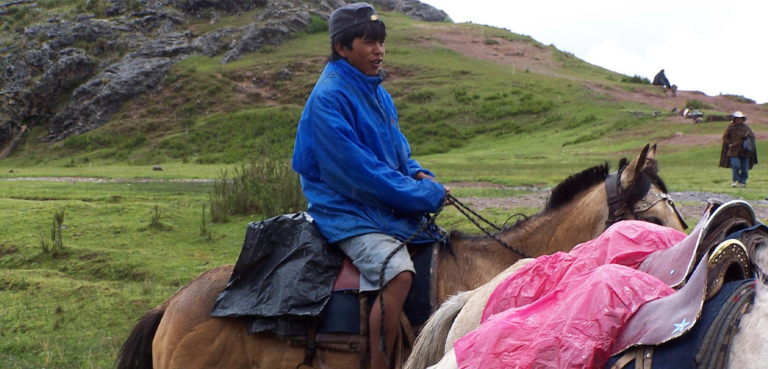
[{"x": 354, "y": 163}]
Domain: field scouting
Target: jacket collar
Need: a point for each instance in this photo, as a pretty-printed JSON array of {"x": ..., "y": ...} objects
[{"x": 353, "y": 74}]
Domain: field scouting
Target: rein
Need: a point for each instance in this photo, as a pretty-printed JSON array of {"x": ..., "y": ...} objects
[{"x": 463, "y": 209}]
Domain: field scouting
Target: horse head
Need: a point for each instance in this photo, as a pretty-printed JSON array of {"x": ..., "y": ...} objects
[{"x": 637, "y": 192}]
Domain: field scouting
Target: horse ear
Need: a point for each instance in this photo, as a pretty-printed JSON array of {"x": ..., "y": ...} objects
[
  {"x": 651, "y": 162},
  {"x": 635, "y": 167}
]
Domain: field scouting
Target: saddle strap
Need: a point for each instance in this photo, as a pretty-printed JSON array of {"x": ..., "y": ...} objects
[
  {"x": 714, "y": 348},
  {"x": 364, "y": 349},
  {"x": 642, "y": 356}
]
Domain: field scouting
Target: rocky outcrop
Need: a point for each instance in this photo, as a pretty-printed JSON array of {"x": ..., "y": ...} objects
[
  {"x": 105, "y": 58},
  {"x": 93, "y": 103},
  {"x": 420, "y": 11},
  {"x": 228, "y": 6},
  {"x": 281, "y": 20},
  {"x": 413, "y": 8}
]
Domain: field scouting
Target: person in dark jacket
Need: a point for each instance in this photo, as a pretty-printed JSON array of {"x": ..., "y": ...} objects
[
  {"x": 661, "y": 80},
  {"x": 732, "y": 154},
  {"x": 364, "y": 191}
]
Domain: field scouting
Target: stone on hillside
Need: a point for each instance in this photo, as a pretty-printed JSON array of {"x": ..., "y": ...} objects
[
  {"x": 35, "y": 72},
  {"x": 283, "y": 75},
  {"x": 385, "y": 5},
  {"x": 229, "y": 6},
  {"x": 420, "y": 11},
  {"x": 94, "y": 102},
  {"x": 255, "y": 38}
]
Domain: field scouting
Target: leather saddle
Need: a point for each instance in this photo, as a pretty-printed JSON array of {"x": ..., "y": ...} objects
[{"x": 696, "y": 267}]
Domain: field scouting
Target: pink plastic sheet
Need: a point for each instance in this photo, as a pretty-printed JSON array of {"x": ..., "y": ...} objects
[{"x": 565, "y": 310}]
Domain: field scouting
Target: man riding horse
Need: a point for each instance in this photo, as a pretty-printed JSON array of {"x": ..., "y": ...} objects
[{"x": 364, "y": 191}]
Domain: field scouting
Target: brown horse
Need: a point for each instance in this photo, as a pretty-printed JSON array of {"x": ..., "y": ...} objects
[{"x": 180, "y": 333}]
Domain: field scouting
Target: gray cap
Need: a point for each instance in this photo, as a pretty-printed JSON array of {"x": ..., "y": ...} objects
[{"x": 351, "y": 15}]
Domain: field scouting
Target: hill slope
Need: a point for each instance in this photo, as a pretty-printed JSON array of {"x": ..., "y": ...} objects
[{"x": 230, "y": 82}]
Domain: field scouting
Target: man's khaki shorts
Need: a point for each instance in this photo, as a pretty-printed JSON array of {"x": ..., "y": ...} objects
[{"x": 368, "y": 253}]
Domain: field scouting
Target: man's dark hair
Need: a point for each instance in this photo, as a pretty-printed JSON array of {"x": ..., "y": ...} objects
[{"x": 368, "y": 30}]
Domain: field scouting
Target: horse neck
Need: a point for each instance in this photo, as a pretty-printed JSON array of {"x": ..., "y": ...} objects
[
  {"x": 479, "y": 259},
  {"x": 579, "y": 221}
]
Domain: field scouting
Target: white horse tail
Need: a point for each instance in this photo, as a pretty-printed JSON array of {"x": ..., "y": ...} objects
[{"x": 430, "y": 344}]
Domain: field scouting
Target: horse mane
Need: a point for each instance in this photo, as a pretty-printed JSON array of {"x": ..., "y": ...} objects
[{"x": 575, "y": 184}]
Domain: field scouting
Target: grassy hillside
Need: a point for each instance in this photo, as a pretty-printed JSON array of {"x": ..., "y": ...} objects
[{"x": 516, "y": 119}]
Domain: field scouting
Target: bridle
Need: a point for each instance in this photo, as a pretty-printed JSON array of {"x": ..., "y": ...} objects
[{"x": 618, "y": 208}]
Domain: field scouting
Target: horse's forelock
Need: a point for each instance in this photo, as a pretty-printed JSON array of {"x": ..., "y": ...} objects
[{"x": 653, "y": 173}]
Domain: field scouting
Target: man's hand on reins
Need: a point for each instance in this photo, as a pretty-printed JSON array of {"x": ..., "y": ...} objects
[{"x": 422, "y": 175}]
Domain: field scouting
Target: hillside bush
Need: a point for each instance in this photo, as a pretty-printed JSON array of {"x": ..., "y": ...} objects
[
  {"x": 56, "y": 246},
  {"x": 697, "y": 104},
  {"x": 420, "y": 96},
  {"x": 263, "y": 186},
  {"x": 635, "y": 79},
  {"x": 316, "y": 24}
]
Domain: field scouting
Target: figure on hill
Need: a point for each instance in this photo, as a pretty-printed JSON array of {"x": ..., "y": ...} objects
[
  {"x": 733, "y": 154},
  {"x": 661, "y": 80},
  {"x": 364, "y": 191}
]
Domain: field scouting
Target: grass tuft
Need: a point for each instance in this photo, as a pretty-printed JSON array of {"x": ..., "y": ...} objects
[{"x": 263, "y": 186}]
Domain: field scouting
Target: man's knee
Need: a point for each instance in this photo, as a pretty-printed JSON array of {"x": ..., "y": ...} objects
[{"x": 402, "y": 279}]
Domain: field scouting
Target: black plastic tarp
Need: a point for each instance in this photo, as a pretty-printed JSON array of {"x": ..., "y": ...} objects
[{"x": 283, "y": 277}]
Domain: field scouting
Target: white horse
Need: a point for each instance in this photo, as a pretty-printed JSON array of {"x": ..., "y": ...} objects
[{"x": 461, "y": 314}]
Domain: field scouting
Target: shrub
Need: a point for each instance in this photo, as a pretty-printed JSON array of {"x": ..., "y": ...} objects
[
  {"x": 57, "y": 246},
  {"x": 156, "y": 223},
  {"x": 697, "y": 104},
  {"x": 264, "y": 186},
  {"x": 316, "y": 24},
  {"x": 420, "y": 96},
  {"x": 490, "y": 41},
  {"x": 635, "y": 79},
  {"x": 462, "y": 97}
]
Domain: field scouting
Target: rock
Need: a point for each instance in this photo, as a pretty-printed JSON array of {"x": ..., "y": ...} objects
[
  {"x": 229, "y": 6},
  {"x": 35, "y": 71},
  {"x": 157, "y": 168},
  {"x": 93, "y": 103},
  {"x": 420, "y": 11},
  {"x": 283, "y": 75}
]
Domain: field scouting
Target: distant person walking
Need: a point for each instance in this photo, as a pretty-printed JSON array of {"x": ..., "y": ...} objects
[
  {"x": 661, "y": 80},
  {"x": 734, "y": 154}
]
